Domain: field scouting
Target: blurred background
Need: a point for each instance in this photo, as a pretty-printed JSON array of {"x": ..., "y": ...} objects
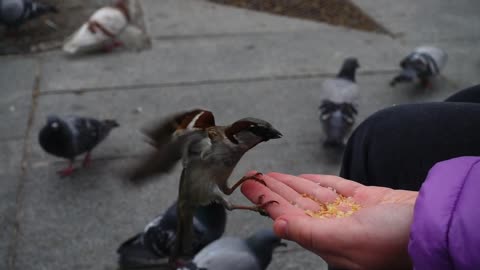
[{"x": 238, "y": 58}]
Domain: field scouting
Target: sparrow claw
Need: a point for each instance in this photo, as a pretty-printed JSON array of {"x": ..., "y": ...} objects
[
  {"x": 261, "y": 205},
  {"x": 256, "y": 178}
]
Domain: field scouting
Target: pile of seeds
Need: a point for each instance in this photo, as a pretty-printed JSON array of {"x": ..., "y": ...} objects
[{"x": 341, "y": 207}]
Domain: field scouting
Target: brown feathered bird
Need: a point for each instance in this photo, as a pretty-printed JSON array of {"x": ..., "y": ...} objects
[{"x": 209, "y": 154}]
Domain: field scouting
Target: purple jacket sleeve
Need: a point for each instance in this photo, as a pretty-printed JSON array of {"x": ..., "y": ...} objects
[{"x": 445, "y": 233}]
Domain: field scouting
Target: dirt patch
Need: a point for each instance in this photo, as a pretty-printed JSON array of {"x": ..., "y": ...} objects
[
  {"x": 48, "y": 32},
  {"x": 335, "y": 12}
]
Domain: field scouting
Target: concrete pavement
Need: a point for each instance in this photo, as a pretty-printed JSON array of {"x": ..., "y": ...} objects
[{"x": 236, "y": 63}]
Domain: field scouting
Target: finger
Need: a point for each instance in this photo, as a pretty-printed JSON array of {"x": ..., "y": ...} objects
[
  {"x": 251, "y": 173},
  {"x": 289, "y": 194},
  {"x": 341, "y": 185},
  {"x": 253, "y": 190},
  {"x": 307, "y": 187}
]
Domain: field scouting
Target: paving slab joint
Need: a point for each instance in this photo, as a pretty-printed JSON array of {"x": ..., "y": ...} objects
[{"x": 12, "y": 250}]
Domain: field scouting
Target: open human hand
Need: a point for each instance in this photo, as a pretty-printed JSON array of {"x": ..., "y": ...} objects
[{"x": 374, "y": 237}]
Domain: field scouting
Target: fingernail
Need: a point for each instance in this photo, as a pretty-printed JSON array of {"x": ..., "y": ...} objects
[{"x": 281, "y": 228}]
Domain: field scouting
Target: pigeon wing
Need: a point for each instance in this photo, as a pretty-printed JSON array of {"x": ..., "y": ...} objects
[
  {"x": 86, "y": 133},
  {"x": 340, "y": 91}
]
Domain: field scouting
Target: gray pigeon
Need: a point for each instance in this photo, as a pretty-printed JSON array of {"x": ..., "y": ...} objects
[
  {"x": 421, "y": 65},
  {"x": 229, "y": 253},
  {"x": 14, "y": 13},
  {"x": 153, "y": 246},
  {"x": 338, "y": 108},
  {"x": 70, "y": 136}
]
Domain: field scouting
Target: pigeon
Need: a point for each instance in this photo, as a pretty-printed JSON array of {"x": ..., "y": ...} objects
[
  {"x": 101, "y": 31},
  {"x": 338, "y": 108},
  {"x": 154, "y": 245},
  {"x": 70, "y": 136},
  {"x": 14, "y": 13},
  {"x": 229, "y": 253},
  {"x": 424, "y": 63}
]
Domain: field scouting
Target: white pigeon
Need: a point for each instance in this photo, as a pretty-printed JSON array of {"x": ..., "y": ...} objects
[{"x": 101, "y": 31}]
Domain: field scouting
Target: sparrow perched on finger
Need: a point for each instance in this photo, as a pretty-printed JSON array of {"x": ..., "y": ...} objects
[{"x": 209, "y": 154}]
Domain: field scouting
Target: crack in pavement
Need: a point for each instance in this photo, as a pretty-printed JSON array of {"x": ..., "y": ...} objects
[
  {"x": 12, "y": 249},
  {"x": 209, "y": 82}
]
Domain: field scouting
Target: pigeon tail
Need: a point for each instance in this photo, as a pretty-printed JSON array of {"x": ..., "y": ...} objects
[{"x": 407, "y": 75}]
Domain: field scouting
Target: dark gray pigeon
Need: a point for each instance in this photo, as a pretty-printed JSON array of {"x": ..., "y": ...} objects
[
  {"x": 229, "y": 253},
  {"x": 421, "y": 65},
  {"x": 338, "y": 108},
  {"x": 70, "y": 136},
  {"x": 14, "y": 13},
  {"x": 154, "y": 245}
]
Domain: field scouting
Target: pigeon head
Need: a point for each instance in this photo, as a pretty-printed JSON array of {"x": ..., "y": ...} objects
[
  {"x": 54, "y": 123},
  {"x": 55, "y": 137},
  {"x": 251, "y": 131},
  {"x": 406, "y": 75},
  {"x": 348, "y": 69},
  {"x": 262, "y": 244}
]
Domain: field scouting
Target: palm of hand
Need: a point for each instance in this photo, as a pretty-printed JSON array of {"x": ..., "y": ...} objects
[{"x": 374, "y": 237}]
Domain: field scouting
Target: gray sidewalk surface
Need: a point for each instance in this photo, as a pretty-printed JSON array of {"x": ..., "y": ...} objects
[{"x": 235, "y": 62}]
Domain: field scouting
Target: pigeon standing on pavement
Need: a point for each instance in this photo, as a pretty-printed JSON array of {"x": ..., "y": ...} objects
[
  {"x": 102, "y": 30},
  {"x": 229, "y": 253},
  {"x": 154, "y": 245},
  {"x": 338, "y": 108},
  {"x": 70, "y": 136},
  {"x": 14, "y": 13},
  {"x": 421, "y": 65}
]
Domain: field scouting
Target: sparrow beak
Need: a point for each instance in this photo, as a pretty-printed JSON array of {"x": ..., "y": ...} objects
[{"x": 273, "y": 134}]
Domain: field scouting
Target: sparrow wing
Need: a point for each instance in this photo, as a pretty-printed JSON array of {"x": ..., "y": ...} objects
[
  {"x": 161, "y": 132},
  {"x": 164, "y": 158}
]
